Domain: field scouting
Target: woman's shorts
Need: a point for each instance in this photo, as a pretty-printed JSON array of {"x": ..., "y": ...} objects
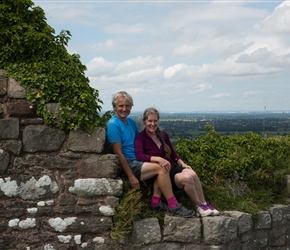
[
  {"x": 176, "y": 170},
  {"x": 136, "y": 167}
]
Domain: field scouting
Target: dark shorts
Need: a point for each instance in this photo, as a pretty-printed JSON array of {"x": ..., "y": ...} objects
[
  {"x": 177, "y": 169},
  {"x": 136, "y": 167}
]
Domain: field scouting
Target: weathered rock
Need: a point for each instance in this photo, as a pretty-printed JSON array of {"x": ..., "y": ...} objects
[
  {"x": 245, "y": 220},
  {"x": 182, "y": 229},
  {"x": 9, "y": 128},
  {"x": 99, "y": 166},
  {"x": 218, "y": 230},
  {"x": 67, "y": 199},
  {"x": 13, "y": 146},
  {"x": 20, "y": 108},
  {"x": 91, "y": 187},
  {"x": 112, "y": 201},
  {"x": 49, "y": 162},
  {"x": 54, "y": 108},
  {"x": 29, "y": 189},
  {"x": 280, "y": 215},
  {"x": 31, "y": 121},
  {"x": 42, "y": 138},
  {"x": 80, "y": 224},
  {"x": 3, "y": 85},
  {"x": 15, "y": 212},
  {"x": 264, "y": 220},
  {"x": 277, "y": 237},
  {"x": 257, "y": 240},
  {"x": 8, "y": 241},
  {"x": 81, "y": 141},
  {"x": 15, "y": 90},
  {"x": 4, "y": 161},
  {"x": 146, "y": 231}
]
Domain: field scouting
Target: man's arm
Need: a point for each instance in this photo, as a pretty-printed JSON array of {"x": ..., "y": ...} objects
[{"x": 117, "y": 149}]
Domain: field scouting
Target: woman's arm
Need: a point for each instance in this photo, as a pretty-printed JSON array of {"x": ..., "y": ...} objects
[
  {"x": 139, "y": 149},
  {"x": 182, "y": 164},
  {"x": 141, "y": 155}
]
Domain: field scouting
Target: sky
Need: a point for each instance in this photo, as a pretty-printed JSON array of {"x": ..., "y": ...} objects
[{"x": 181, "y": 56}]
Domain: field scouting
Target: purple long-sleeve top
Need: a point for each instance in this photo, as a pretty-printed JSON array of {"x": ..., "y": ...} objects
[{"x": 145, "y": 148}]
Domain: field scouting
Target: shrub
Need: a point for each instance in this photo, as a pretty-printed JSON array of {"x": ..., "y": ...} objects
[
  {"x": 259, "y": 163},
  {"x": 34, "y": 56}
]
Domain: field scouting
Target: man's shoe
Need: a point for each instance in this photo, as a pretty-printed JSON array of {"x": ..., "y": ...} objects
[
  {"x": 214, "y": 211},
  {"x": 160, "y": 207},
  {"x": 203, "y": 210},
  {"x": 181, "y": 211}
]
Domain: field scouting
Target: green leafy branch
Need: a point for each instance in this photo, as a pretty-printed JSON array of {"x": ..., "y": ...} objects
[{"x": 34, "y": 56}]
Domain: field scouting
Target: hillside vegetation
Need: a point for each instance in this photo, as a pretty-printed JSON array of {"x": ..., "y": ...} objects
[{"x": 240, "y": 172}]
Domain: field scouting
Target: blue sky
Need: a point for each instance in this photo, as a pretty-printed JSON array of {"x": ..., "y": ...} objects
[{"x": 182, "y": 56}]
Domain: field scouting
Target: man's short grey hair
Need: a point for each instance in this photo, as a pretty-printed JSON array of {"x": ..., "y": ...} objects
[{"x": 122, "y": 94}]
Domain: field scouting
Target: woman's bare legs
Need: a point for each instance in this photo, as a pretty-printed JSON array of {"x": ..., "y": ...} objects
[
  {"x": 163, "y": 184},
  {"x": 150, "y": 170},
  {"x": 189, "y": 180}
]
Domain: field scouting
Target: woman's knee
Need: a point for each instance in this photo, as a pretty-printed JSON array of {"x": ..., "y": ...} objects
[
  {"x": 190, "y": 172},
  {"x": 184, "y": 178}
]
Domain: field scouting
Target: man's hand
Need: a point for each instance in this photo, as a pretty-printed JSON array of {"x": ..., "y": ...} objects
[{"x": 134, "y": 182}]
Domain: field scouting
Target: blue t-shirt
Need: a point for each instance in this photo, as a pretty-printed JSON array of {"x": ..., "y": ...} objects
[{"x": 118, "y": 131}]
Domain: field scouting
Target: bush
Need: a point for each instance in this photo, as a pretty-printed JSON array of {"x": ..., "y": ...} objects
[
  {"x": 245, "y": 173},
  {"x": 34, "y": 56}
]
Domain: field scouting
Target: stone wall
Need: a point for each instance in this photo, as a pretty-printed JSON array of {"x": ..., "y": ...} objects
[{"x": 58, "y": 191}]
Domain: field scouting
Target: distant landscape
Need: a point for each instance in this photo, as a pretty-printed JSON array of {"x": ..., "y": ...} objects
[{"x": 192, "y": 125}]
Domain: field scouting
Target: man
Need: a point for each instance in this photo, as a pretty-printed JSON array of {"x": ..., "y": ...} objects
[{"x": 121, "y": 133}]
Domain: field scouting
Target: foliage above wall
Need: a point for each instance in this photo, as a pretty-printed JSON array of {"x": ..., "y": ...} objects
[
  {"x": 246, "y": 172},
  {"x": 38, "y": 59}
]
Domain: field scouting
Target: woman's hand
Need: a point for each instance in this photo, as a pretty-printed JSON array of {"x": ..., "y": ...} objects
[
  {"x": 164, "y": 163},
  {"x": 186, "y": 166}
]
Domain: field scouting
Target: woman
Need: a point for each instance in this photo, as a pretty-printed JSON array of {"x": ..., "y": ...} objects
[{"x": 153, "y": 145}]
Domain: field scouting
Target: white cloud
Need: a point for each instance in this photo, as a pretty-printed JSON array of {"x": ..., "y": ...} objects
[
  {"x": 106, "y": 45},
  {"x": 188, "y": 50},
  {"x": 201, "y": 87},
  {"x": 99, "y": 65},
  {"x": 190, "y": 56},
  {"x": 173, "y": 70},
  {"x": 251, "y": 93},
  {"x": 222, "y": 95},
  {"x": 278, "y": 21},
  {"x": 139, "y": 63}
]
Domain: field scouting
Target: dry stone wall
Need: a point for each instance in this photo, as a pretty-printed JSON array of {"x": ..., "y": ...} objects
[{"x": 58, "y": 190}]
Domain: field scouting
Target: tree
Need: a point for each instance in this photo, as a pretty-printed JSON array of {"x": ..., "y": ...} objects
[{"x": 33, "y": 55}]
